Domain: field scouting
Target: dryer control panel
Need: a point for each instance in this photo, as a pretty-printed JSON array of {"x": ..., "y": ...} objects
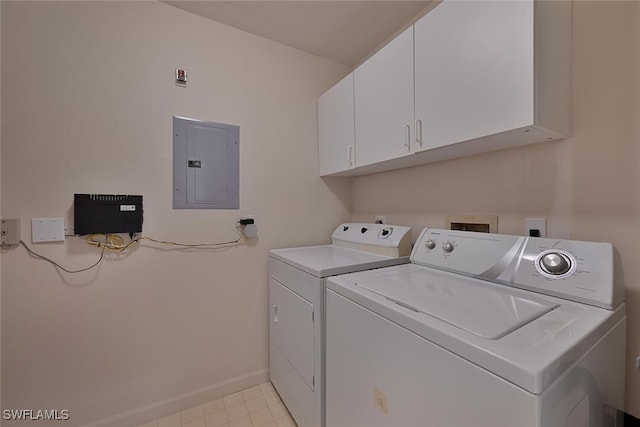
[
  {"x": 384, "y": 239},
  {"x": 576, "y": 270}
]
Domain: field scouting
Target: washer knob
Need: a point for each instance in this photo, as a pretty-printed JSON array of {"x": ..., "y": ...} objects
[
  {"x": 447, "y": 247},
  {"x": 429, "y": 244},
  {"x": 554, "y": 263}
]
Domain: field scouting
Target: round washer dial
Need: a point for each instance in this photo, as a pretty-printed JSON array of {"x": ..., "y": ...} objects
[{"x": 555, "y": 263}]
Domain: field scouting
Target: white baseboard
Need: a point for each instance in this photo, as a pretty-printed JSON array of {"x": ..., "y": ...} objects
[{"x": 183, "y": 401}]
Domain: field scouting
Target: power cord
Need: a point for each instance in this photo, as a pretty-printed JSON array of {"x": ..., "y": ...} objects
[
  {"x": 115, "y": 243},
  {"x": 112, "y": 242},
  {"x": 240, "y": 239},
  {"x": 44, "y": 258},
  {"x": 191, "y": 245}
]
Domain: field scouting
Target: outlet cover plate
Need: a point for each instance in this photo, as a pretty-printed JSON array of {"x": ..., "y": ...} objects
[
  {"x": 381, "y": 218},
  {"x": 47, "y": 230},
  {"x": 10, "y": 231},
  {"x": 536, "y": 224}
]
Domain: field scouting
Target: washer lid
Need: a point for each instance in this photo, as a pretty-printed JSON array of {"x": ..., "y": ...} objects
[{"x": 462, "y": 302}]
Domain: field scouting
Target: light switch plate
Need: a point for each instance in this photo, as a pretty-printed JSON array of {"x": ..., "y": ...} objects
[{"x": 47, "y": 230}]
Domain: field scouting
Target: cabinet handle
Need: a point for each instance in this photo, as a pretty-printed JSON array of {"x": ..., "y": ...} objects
[
  {"x": 419, "y": 132},
  {"x": 275, "y": 313},
  {"x": 350, "y": 154},
  {"x": 407, "y": 137}
]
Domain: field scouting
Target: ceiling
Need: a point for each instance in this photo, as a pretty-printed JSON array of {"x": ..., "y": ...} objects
[{"x": 343, "y": 31}]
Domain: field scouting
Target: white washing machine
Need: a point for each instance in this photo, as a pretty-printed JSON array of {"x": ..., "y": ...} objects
[
  {"x": 297, "y": 278},
  {"x": 479, "y": 330}
]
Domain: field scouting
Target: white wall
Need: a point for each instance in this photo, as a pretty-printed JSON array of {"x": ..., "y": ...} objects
[
  {"x": 606, "y": 150},
  {"x": 0, "y": 211},
  {"x": 88, "y": 98},
  {"x": 588, "y": 186}
]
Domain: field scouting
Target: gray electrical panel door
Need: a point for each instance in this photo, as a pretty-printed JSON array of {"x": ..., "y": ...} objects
[{"x": 205, "y": 165}]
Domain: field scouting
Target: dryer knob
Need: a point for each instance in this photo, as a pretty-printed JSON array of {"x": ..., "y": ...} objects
[
  {"x": 447, "y": 247},
  {"x": 555, "y": 263},
  {"x": 385, "y": 233},
  {"x": 429, "y": 244}
]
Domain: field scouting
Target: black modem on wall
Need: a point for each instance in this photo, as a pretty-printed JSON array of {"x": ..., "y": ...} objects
[{"x": 107, "y": 213}]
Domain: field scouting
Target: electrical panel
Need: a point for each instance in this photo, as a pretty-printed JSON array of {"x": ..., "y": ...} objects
[
  {"x": 107, "y": 213},
  {"x": 206, "y": 165}
]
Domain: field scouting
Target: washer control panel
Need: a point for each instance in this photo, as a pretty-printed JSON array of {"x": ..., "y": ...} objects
[
  {"x": 461, "y": 251},
  {"x": 555, "y": 263},
  {"x": 575, "y": 270},
  {"x": 429, "y": 244},
  {"x": 447, "y": 247}
]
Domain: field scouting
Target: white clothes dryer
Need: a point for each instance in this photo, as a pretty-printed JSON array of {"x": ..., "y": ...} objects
[
  {"x": 297, "y": 279},
  {"x": 478, "y": 330}
]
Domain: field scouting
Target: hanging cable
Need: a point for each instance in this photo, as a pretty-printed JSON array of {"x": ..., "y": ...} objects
[
  {"x": 115, "y": 243},
  {"x": 112, "y": 242},
  {"x": 240, "y": 239},
  {"x": 192, "y": 245},
  {"x": 44, "y": 258}
]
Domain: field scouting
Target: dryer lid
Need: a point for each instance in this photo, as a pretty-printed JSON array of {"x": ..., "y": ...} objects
[
  {"x": 482, "y": 309},
  {"x": 331, "y": 260}
]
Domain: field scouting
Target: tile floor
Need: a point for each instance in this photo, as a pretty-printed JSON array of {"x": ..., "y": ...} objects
[{"x": 258, "y": 406}]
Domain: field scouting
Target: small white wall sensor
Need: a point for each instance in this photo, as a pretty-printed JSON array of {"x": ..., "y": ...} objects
[{"x": 47, "y": 230}]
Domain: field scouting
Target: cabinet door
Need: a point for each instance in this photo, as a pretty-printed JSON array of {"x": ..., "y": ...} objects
[
  {"x": 474, "y": 70},
  {"x": 384, "y": 102},
  {"x": 336, "y": 128}
]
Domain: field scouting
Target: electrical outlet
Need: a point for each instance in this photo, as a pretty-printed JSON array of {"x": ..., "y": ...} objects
[
  {"x": 10, "y": 231},
  {"x": 381, "y": 219},
  {"x": 533, "y": 224},
  {"x": 249, "y": 230}
]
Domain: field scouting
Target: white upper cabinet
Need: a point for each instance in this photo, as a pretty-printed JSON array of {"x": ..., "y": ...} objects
[
  {"x": 489, "y": 75},
  {"x": 384, "y": 102},
  {"x": 480, "y": 82},
  {"x": 336, "y": 136},
  {"x": 476, "y": 76}
]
